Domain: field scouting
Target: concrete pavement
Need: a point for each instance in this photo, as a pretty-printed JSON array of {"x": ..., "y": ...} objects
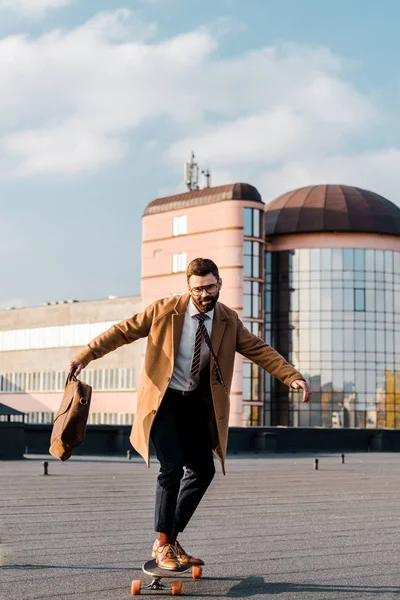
[{"x": 272, "y": 526}]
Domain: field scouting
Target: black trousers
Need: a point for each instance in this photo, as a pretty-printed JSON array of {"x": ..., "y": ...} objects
[{"x": 182, "y": 440}]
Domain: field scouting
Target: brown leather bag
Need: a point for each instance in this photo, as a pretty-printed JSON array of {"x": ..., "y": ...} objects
[{"x": 69, "y": 426}]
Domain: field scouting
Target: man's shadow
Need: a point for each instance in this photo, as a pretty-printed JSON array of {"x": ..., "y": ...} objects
[{"x": 253, "y": 586}]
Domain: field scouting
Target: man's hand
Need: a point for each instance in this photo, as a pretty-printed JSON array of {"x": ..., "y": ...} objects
[
  {"x": 75, "y": 367},
  {"x": 300, "y": 383}
]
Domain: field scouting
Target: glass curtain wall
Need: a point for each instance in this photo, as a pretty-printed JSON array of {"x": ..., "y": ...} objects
[
  {"x": 341, "y": 330},
  {"x": 253, "y": 284}
]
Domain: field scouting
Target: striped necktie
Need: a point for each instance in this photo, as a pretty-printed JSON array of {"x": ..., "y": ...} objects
[
  {"x": 202, "y": 334},
  {"x": 197, "y": 344}
]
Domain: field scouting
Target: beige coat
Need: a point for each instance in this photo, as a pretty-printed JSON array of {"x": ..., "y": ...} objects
[{"x": 162, "y": 324}]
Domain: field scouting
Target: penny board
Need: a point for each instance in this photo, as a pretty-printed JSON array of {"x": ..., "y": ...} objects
[{"x": 151, "y": 568}]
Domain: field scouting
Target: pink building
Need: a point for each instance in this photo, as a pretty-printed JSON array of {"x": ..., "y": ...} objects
[{"x": 222, "y": 223}]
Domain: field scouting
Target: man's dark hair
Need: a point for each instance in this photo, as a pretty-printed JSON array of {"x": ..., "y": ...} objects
[{"x": 201, "y": 267}]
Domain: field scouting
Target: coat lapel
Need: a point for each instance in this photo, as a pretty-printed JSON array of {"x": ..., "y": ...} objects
[
  {"x": 178, "y": 320},
  {"x": 218, "y": 328}
]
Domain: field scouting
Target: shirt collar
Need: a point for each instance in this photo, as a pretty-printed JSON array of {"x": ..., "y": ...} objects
[{"x": 194, "y": 311}]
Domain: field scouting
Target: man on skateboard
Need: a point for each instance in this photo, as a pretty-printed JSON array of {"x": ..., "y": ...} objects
[{"x": 183, "y": 398}]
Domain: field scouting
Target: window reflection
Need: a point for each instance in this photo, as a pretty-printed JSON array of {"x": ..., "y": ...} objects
[
  {"x": 252, "y": 222},
  {"x": 344, "y": 319}
]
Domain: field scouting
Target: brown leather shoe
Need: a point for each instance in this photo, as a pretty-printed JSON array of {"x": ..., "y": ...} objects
[
  {"x": 184, "y": 558},
  {"x": 165, "y": 556}
]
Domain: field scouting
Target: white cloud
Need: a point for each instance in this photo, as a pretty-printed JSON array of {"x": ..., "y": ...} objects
[
  {"x": 32, "y": 8},
  {"x": 377, "y": 171},
  {"x": 68, "y": 148},
  {"x": 277, "y": 116}
]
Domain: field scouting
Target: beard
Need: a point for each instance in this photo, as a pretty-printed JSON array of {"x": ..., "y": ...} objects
[{"x": 205, "y": 304}]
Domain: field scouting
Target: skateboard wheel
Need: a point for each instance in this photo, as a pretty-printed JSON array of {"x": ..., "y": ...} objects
[
  {"x": 197, "y": 572},
  {"x": 176, "y": 588},
  {"x": 136, "y": 587}
]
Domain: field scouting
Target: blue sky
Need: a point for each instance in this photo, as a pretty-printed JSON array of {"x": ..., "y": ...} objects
[{"x": 101, "y": 103}]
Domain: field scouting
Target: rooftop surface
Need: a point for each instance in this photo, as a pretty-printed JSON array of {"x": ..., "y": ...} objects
[{"x": 272, "y": 526}]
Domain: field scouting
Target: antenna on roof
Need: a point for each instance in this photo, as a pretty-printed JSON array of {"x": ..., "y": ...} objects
[
  {"x": 207, "y": 176},
  {"x": 192, "y": 173}
]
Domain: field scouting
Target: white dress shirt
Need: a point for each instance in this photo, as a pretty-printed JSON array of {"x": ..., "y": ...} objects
[{"x": 182, "y": 379}]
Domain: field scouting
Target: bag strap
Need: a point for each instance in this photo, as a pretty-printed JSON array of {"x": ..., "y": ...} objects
[{"x": 70, "y": 377}]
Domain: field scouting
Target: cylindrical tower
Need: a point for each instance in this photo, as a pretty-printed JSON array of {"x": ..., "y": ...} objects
[{"x": 332, "y": 306}]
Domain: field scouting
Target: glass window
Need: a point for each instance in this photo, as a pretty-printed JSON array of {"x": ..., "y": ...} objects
[
  {"x": 315, "y": 259},
  {"x": 268, "y": 263},
  {"x": 179, "y": 225},
  {"x": 389, "y": 301},
  {"x": 256, "y": 223},
  {"x": 304, "y": 260},
  {"x": 252, "y": 222},
  {"x": 337, "y": 259},
  {"x": 251, "y": 259},
  {"x": 247, "y": 299},
  {"x": 252, "y": 299},
  {"x": 251, "y": 416},
  {"x": 337, "y": 340},
  {"x": 246, "y": 373},
  {"x": 396, "y": 262},
  {"x": 359, "y": 259},
  {"x": 256, "y": 310},
  {"x": 326, "y": 259},
  {"x": 380, "y": 300},
  {"x": 348, "y": 299},
  {"x": 388, "y": 261},
  {"x": 326, "y": 340},
  {"x": 326, "y": 299},
  {"x": 370, "y": 260},
  {"x": 256, "y": 259},
  {"x": 247, "y": 263},
  {"x": 268, "y": 301},
  {"x": 379, "y": 260},
  {"x": 370, "y": 300},
  {"x": 179, "y": 262},
  {"x": 248, "y": 222},
  {"x": 337, "y": 297},
  {"x": 359, "y": 299},
  {"x": 315, "y": 299},
  {"x": 348, "y": 259}
]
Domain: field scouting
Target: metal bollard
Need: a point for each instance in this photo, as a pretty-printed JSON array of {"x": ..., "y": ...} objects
[
  {"x": 26, "y": 450},
  {"x": 128, "y": 455},
  {"x": 316, "y": 463},
  {"x": 342, "y": 459},
  {"x": 45, "y": 467}
]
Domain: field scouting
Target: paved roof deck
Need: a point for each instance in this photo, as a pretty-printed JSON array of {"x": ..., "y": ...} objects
[{"x": 271, "y": 526}]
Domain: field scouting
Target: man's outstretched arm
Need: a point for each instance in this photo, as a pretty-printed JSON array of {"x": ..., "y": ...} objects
[
  {"x": 125, "y": 332},
  {"x": 253, "y": 348}
]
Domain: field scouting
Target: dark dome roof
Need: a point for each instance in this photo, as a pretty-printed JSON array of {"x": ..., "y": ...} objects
[
  {"x": 233, "y": 191},
  {"x": 334, "y": 208}
]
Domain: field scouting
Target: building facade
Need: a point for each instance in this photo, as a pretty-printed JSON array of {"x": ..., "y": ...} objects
[
  {"x": 332, "y": 306},
  {"x": 36, "y": 345},
  {"x": 315, "y": 273}
]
